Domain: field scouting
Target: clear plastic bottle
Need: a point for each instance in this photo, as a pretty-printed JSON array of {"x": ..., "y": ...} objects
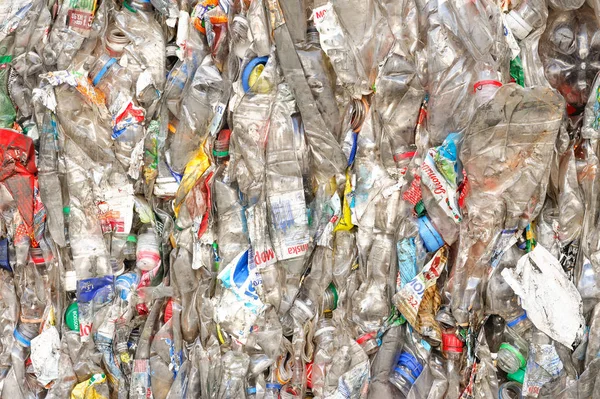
[
  {"x": 324, "y": 352},
  {"x": 24, "y": 333},
  {"x": 303, "y": 309},
  {"x": 452, "y": 348},
  {"x": 115, "y": 41},
  {"x": 487, "y": 84},
  {"x": 294, "y": 388},
  {"x": 112, "y": 79},
  {"x": 501, "y": 299},
  {"x": 130, "y": 249},
  {"x": 513, "y": 352},
  {"x": 520, "y": 324},
  {"x": 568, "y": 49},
  {"x": 330, "y": 299},
  {"x": 147, "y": 251},
  {"x": 148, "y": 46},
  {"x": 510, "y": 390},
  {"x": 370, "y": 304},
  {"x": 235, "y": 367},
  {"x": 405, "y": 373},
  {"x": 272, "y": 386}
]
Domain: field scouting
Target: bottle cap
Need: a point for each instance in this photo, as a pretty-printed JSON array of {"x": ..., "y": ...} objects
[
  {"x": 365, "y": 337},
  {"x": 21, "y": 338},
  {"x": 70, "y": 281},
  {"x": 406, "y": 361},
  {"x": 431, "y": 238},
  {"x": 67, "y": 210},
  {"x": 518, "y": 376},
  {"x": 334, "y": 293},
  {"x": 508, "y": 347},
  {"x": 72, "y": 317},
  {"x": 516, "y": 320},
  {"x": 168, "y": 311},
  {"x": 103, "y": 71},
  {"x": 451, "y": 343},
  {"x": 251, "y": 390},
  {"x": 420, "y": 208},
  {"x": 131, "y": 238},
  {"x": 249, "y": 68}
]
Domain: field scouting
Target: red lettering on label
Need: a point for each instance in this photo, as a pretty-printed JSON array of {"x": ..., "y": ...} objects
[
  {"x": 85, "y": 330},
  {"x": 264, "y": 256},
  {"x": 320, "y": 14},
  {"x": 298, "y": 249},
  {"x": 439, "y": 189}
]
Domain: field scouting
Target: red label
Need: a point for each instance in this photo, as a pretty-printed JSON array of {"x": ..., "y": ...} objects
[
  {"x": 79, "y": 19},
  {"x": 413, "y": 194}
]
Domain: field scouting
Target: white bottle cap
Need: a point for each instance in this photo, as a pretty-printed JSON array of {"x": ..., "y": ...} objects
[{"x": 70, "y": 280}]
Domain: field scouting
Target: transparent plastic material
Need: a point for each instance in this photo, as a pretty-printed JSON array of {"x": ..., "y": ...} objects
[
  {"x": 289, "y": 199},
  {"x": 494, "y": 204},
  {"x": 568, "y": 53}
]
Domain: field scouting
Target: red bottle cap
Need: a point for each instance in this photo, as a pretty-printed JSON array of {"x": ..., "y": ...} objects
[
  {"x": 451, "y": 343},
  {"x": 363, "y": 338},
  {"x": 168, "y": 311}
]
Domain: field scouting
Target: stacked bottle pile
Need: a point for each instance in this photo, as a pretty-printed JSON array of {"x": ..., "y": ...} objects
[{"x": 288, "y": 199}]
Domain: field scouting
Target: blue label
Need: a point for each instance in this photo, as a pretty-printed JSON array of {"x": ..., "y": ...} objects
[
  {"x": 4, "y": 260},
  {"x": 87, "y": 289}
]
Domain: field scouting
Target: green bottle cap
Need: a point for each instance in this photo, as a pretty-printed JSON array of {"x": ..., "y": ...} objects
[
  {"x": 518, "y": 376},
  {"x": 514, "y": 351},
  {"x": 420, "y": 208},
  {"x": 72, "y": 317},
  {"x": 67, "y": 210},
  {"x": 132, "y": 238},
  {"x": 335, "y": 295}
]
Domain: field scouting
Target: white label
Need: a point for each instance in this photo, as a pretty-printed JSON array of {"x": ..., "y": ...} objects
[
  {"x": 442, "y": 191},
  {"x": 319, "y": 13},
  {"x": 216, "y": 120},
  {"x": 289, "y": 223},
  {"x": 515, "y": 50},
  {"x": 182, "y": 33}
]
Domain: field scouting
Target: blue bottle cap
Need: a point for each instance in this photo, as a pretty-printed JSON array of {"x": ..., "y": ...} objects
[
  {"x": 20, "y": 338},
  {"x": 431, "y": 238},
  {"x": 516, "y": 320},
  {"x": 249, "y": 68}
]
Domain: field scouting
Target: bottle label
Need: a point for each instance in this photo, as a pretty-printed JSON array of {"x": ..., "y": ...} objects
[
  {"x": 513, "y": 45},
  {"x": 290, "y": 224},
  {"x": 241, "y": 278},
  {"x": 80, "y": 15},
  {"x": 442, "y": 182},
  {"x": 140, "y": 380},
  {"x": 92, "y": 295},
  {"x": 408, "y": 300},
  {"x": 256, "y": 217},
  {"x": 4, "y": 261},
  {"x": 407, "y": 261}
]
